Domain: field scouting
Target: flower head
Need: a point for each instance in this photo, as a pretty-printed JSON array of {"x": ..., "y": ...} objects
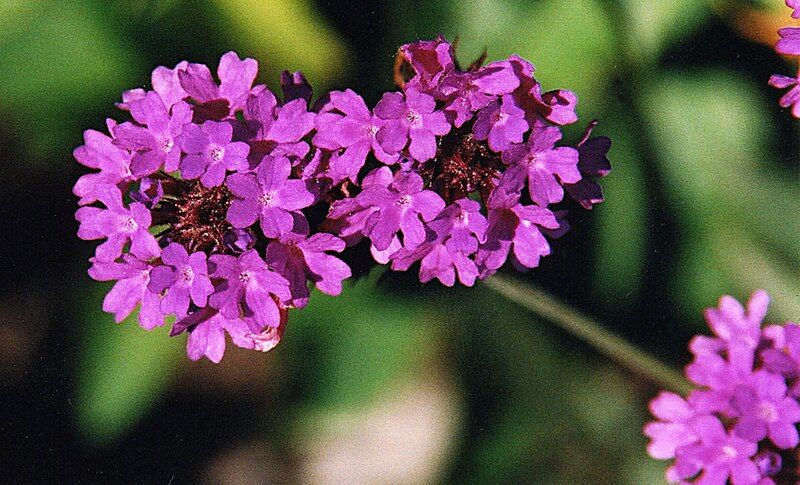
[
  {"x": 219, "y": 203},
  {"x": 741, "y": 421}
]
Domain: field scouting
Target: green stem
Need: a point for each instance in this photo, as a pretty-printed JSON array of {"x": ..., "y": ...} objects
[{"x": 591, "y": 332}]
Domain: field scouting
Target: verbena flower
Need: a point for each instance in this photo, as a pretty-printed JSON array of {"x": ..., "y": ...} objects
[
  {"x": 219, "y": 203},
  {"x": 740, "y": 423},
  {"x": 789, "y": 44}
]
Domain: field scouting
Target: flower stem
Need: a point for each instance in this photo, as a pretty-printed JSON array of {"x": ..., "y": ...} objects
[{"x": 591, "y": 332}]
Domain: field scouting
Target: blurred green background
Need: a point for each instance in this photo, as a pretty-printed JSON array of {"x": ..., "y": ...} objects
[{"x": 393, "y": 382}]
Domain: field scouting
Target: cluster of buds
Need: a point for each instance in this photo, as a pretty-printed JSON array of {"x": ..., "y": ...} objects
[
  {"x": 740, "y": 423},
  {"x": 219, "y": 203}
]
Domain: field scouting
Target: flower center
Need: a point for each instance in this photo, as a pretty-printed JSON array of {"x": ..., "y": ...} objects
[
  {"x": 499, "y": 117},
  {"x": 130, "y": 224},
  {"x": 217, "y": 153},
  {"x": 414, "y": 118},
  {"x": 767, "y": 412},
  {"x": 729, "y": 452},
  {"x": 198, "y": 219},
  {"x": 245, "y": 276},
  {"x": 462, "y": 217},
  {"x": 371, "y": 130},
  {"x": 533, "y": 160},
  {"x": 186, "y": 274},
  {"x": 267, "y": 199},
  {"x": 404, "y": 201},
  {"x": 167, "y": 145}
]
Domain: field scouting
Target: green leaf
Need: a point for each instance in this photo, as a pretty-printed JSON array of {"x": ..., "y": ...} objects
[
  {"x": 123, "y": 370},
  {"x": 713, "y": 129},
  {"x": 361, "y": 340},
  {"x": 291, "y": 35},
  {"x": 623, "y": 219},
  {"x": 651, "y": 27},
  {"x": 58, "y": 58}
]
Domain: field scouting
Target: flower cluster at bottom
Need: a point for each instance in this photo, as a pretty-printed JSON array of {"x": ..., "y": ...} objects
[
  {"x": 740, "y": 424},
  {"x": 219, "y": 202}
]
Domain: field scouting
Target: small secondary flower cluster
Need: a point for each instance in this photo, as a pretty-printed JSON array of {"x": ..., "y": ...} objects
[
  {"x": 789, "y": 44},
  {"x": 741, "y": 421},
  {"x": 218, "y": 202}
]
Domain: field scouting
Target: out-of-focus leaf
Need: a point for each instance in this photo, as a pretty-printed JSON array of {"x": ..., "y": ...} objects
[
  {"x": 713, "y": 129},
  {"x": 572, "y": 44},
  {"x": 123, "y": 371},
  {"x": 623, "y": 219},
  {"x": 525, "y": 378},
  {"x": 290, "y": 35},
  {"x": 57, "y": 56},
  {"x": 651, "y": 27},
  {"x": 356, "y": 343}
]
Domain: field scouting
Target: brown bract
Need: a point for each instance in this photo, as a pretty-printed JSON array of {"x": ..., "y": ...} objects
[{"x": 198, "y": 221}]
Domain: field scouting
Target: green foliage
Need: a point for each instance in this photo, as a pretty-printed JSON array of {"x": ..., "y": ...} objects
[
  {"x": 55, "y": 58},
  {"x": 123, "y": 370},
  {"x": 713, "y": 129}
]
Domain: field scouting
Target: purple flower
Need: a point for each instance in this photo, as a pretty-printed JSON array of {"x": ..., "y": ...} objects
[
  {"x": 347, "y": 217},
  {"x": 516, "y": 229},
  {"x": 207, "y": 334},
  {"x": 154, "y": 144},
  {"x": 468, "y": 92},
  {"x": 544, "y": 166},
  {"x": 672, "y": 430},
  {"x": 119, "y": 225},
  {"x": 249, "y": 288},
  {"x": 592, "y": 163},
  {"x": 765, "y": 410},
  {"x": 149, "y": 193},
  {"x": 792, "y": 97},
  {"x": 401, "y": 205},
  {"x": 502, "y": 123},
  {"x": 278, "y": 130},
  {"x": 354, "y": 130},
  {"x": 456, "y": 234},
  {"x": 794, "y": 5},
  {"x": 789, "y": 43},
  {"x": 166, "y": 82},
  {"x": 430, "y": 61},
  {"x": 268, "y": 196},
  {"x": 556, "y": 107},
  {"x": 307, "y": 260},
  {"x": 133, "y": 278},
  {"x": 731, "y": 323},
  {"x": 185, "y": 277},
  {"x": 295, "y": 86},
  {"x": 719, "y": 455},
  {"x": 414, "y": 118},
  {"x": 100, "y": 152},
  {"x": 238, "y": 240},
  {"x": 784, "y": 355},
  {"x": 236, "y": 79},
  {"x": 562, "y": 104},
  {"x": 210, "y": 152}
]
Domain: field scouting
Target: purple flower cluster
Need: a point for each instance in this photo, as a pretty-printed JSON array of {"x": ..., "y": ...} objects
[
  {"x": 789, "y": 45},
  {"x": 218, "y": 202},
  {"x": 740, "y": 423}
]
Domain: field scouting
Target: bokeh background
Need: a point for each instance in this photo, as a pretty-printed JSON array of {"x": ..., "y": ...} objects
[{"x": 394, "y": 382}]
